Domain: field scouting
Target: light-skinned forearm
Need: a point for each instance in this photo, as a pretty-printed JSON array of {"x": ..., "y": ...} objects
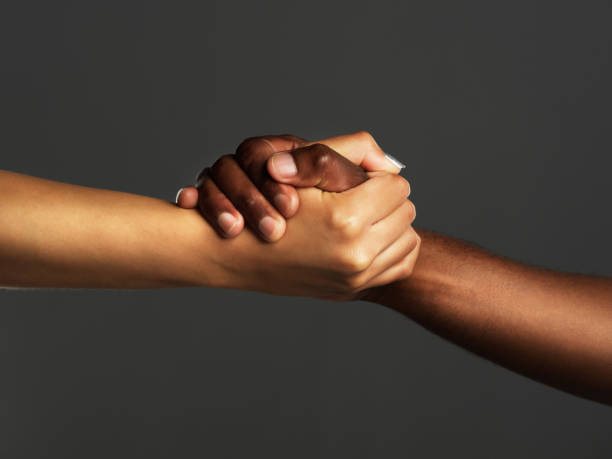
[
  {"x": 552, "y": 327},
  {"x": 59, "y": 235}
]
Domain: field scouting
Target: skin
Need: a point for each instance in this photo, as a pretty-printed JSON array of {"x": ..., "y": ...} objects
[
  {"x": 238, "y": 188},
  {"x": 550, "y": 326},
  {"x": 71, "y": 236}
]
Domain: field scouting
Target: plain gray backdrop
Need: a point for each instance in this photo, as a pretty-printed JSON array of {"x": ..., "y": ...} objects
[{"x": 502, "y": 112}]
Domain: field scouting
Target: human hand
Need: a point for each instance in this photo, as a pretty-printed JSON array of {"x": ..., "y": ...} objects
[
  {"x": 335, "y": 259},
  {"x": 335, "y": 247},
  {"x": 242, "y": 187}
]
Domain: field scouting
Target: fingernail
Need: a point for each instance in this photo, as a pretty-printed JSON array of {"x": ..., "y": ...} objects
[
  {"x": 178, "y": 194},
  {"x": 282, "y": 203},
  {"x": 267, "y": 226},
  {"x": 396, "y": 162},
  {"x": 227, "y": 222},
  {"x": 284, "y": 165}
]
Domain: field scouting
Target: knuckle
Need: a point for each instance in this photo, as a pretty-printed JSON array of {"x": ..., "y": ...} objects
[
  {"x": 206, "y": 202},
  {"x": 402, "y": 185},
  {"x": 252, "y": 155},
  {"x": 412, "y": 211},
  {"x": 247, "y": 201},
  {"x": 248, "y": 149},
  {"x": 206, "y": 195},
  {"x": 248, "y": 144},
  {"x": 408, "y": 269},
  {"x": 250, "y": 203},
  {"x": 321, "y": 159},
  {"x": 346, "y": 224},
  {"x": 354, "y": 283},
  {"x": 221, "y": 165},
  {"x": 270, "y": 188},
  {"x": 367, "y": 138},
  {"x": 296, "y": 140},
  {"x": 413, "y": 246},
  {"x": 320, "y": 155},
  {"x": 211, "y": 203},
  {"x": 414, "y": 240},
  {"x": 353, "y": 260}
]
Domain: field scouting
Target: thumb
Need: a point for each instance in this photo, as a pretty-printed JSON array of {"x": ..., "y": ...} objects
[
  {"x": 362, "y": 149},
  {"x": 315, "y": 165}
]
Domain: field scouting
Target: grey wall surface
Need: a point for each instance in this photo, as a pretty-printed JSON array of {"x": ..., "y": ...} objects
[{"x": 502, "y": 111}]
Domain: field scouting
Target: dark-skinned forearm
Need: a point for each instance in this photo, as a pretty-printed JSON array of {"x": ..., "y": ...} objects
[{"x": 552, "y": 327}]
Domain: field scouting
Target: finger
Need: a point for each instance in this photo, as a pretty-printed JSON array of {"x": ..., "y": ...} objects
[
  {"x": 398, "y": 271},
  {"x": 382, "y": 239},
  {"x": 281, "y": 142},
  {"x": 374, "y": 199},
  {"x": 258, "y": 213},
  {"x": 284, "y": 197},
  {"x": 315, "y": 165},
  {"x": 252, "y": 155},
  {"x": 362, "y": 149},
  {"x": 390, "y": 257},
  {"x": 218, "y": 211},
  {"x": 387, "y": 230},
  {"x": 187, "y": 197}
]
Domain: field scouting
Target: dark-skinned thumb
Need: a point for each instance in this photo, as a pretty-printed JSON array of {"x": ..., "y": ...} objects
[{"x": 315, "y": 165}]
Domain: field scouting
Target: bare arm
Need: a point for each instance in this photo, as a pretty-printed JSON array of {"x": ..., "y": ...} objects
[
  {"x": 550, "y": 326},
  {"x": 59, "y": 235}
]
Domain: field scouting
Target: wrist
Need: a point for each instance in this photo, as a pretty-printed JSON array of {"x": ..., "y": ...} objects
[
  {"x": 430, "y": 278},
  {"x": 226, "y": 262},
  {"x": 192, "y": 253}
]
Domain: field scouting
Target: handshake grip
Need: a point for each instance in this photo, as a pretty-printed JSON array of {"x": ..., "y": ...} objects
[
  {"x": 354, "y": 232},
  {"x": 256, "y": 185}
]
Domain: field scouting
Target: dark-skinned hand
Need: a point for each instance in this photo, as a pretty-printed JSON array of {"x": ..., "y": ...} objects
[{"x": 256, "y": 184}]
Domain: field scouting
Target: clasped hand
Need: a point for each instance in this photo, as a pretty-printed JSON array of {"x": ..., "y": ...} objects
[{"x": 332, "y": 218}]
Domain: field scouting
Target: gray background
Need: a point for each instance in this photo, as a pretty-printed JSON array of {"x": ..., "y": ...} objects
[{"x": 501, "y": 110}]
